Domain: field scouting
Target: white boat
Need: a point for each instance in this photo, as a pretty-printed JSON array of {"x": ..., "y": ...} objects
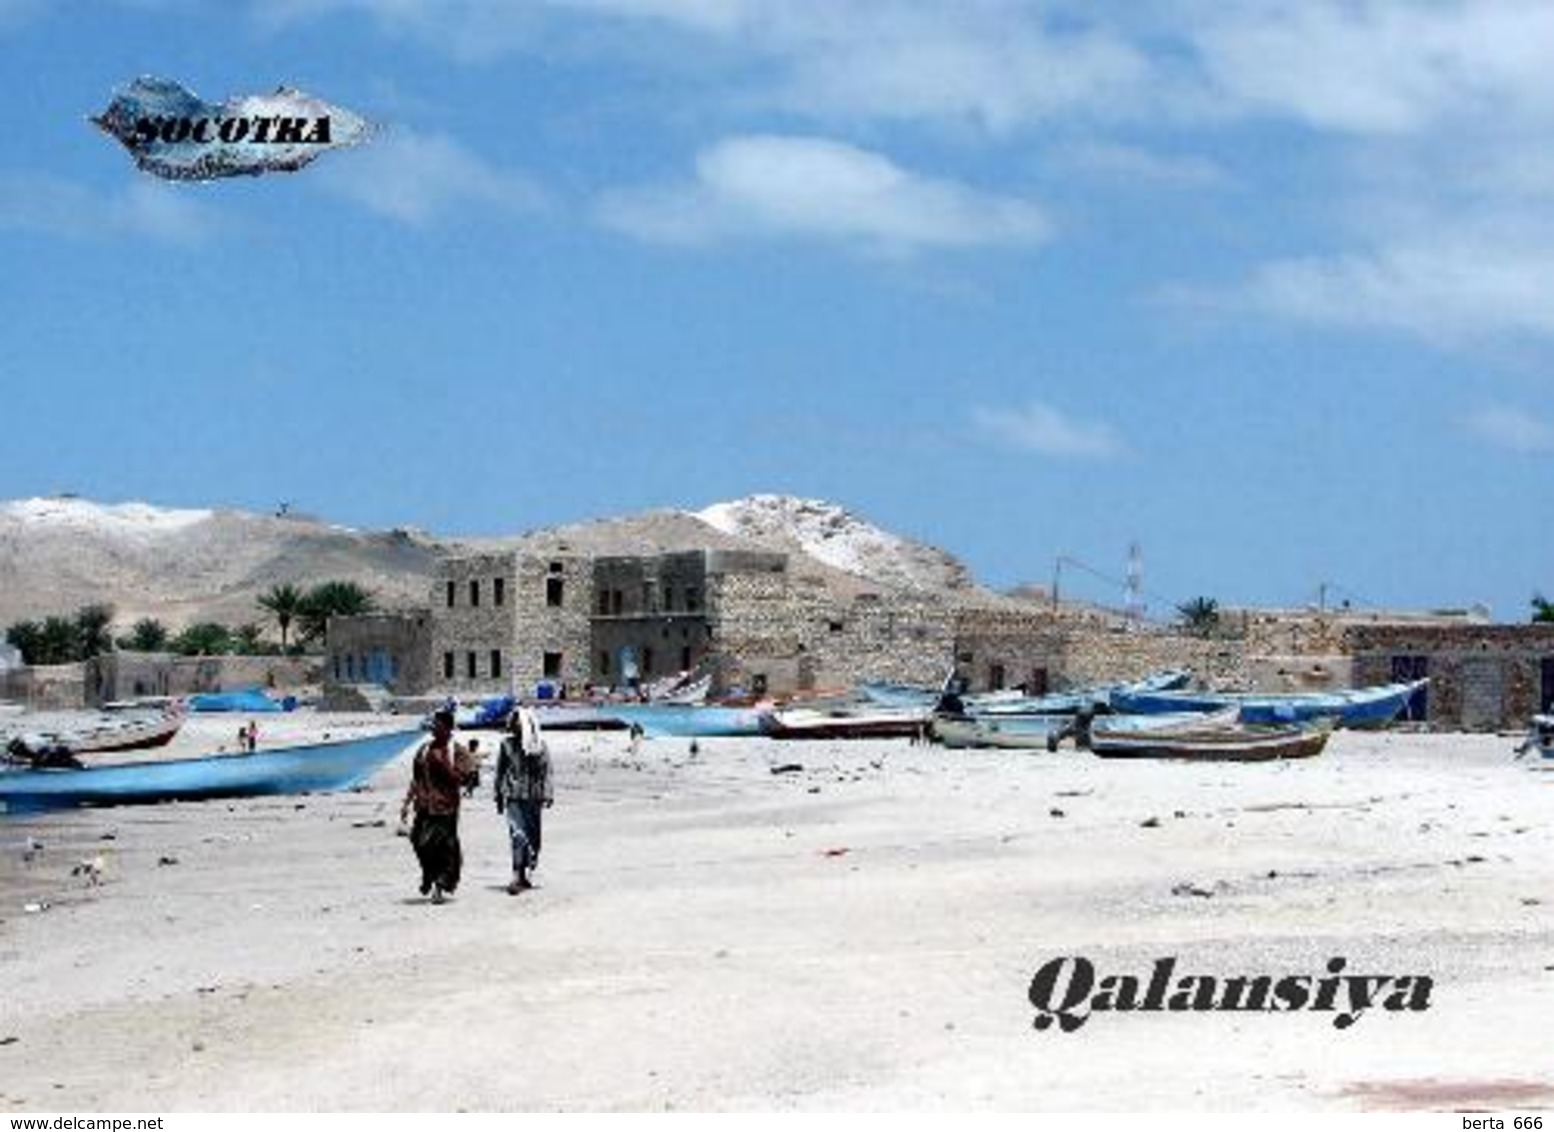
[
  {"x": 1540, "y": 738},
  {"x": 91, "y": 732}
]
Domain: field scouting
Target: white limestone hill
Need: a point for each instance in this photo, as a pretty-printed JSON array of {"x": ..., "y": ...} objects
[
  {"x": 186, "y": 565},
  {"x": 840, "y": 539}
]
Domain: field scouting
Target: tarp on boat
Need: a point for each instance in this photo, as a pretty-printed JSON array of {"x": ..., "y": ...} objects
[{"x": 247, "y": 700}]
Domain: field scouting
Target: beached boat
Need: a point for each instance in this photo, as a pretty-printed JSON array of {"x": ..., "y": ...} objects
[
  {"x": 1356, "y": 707},
  {"x": 1097, "y": 698},
  {"x": 856, "y": 722},
  {"x": 313, "y": 768},
  {"x": 1223, "y": 743},
  {"x": 1013, "y": 702},
  {"x": 670, "y": 720},
  {"x": 1026, "y": 733},
  {"x": 577, "y": 715},
  {"x": 1540, "y": 738},
  {"x": 84, "y": 732}
]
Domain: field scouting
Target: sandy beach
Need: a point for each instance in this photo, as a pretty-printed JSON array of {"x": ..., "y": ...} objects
[{"x": 860, "y": 933}]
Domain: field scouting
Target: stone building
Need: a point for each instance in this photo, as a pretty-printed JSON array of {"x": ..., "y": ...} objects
[
  {"x": 1482, "y": 677},
  {"x": 390, "y": 649}
]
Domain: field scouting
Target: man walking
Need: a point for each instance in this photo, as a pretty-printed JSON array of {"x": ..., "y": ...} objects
[
  {"x": 523, "y": 791},
  {"x": 441, "y": 768}
]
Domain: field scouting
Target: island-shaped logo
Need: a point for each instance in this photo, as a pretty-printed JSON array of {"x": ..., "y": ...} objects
[{"x": 172, "y": 133}]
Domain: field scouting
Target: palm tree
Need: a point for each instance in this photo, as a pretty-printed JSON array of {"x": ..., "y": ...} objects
[
  {"x": 204, "y": 638},
  {"x": 245, "y": 638},
  {"x": 284, "y": 604},
  {"x": 92, "y": 635},
  {"x": 1200, "y": 616},
  {"x": 1542, "y": 608},
  {"x": 147, "y": 635},
  {"x": 332, "y": 599}
]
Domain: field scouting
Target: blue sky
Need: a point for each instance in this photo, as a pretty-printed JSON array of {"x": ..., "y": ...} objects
[{"x": 1267, "y": 288}]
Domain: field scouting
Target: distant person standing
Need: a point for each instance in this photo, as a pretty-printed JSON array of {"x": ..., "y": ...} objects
[
  {"x": 441, "y": 769},
  {"x": 252, "y": 736},
  {"x": 523, "y": 792}
]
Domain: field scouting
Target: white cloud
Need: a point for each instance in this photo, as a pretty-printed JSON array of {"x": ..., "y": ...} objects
[
  {"x": 42, "y": 203},
  {"x": 1381, "y": 66},
  {"x": 770, "y": 186},
  {"x": 1444, "y": 281},
  {"x": 1512, "y": 429},
  {"x": 1037, "y": 427},
  {"x": 416, "y": 178},
  {"x": 1137, "y": 166}
]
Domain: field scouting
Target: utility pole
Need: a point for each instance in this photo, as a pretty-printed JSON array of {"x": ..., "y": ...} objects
[{"x": 1133, "y": 602}]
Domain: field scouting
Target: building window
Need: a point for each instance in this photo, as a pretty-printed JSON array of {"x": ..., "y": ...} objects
[
  {"x": 1546, "y": 697},
  {"x": 604, "y": 603},
  {"x": 499, "y": 591},
  {"x": 692, "y": 598},
  {"x": 617, "y": 602},
  {"x": 469, "y": 664},
  {"x": 834, "y": 626},
  {"x": 474, "y": 593},
  {"x": 334, "y": 663},
  {"x": 553, "y": 592},
  {"x": 995, "y": 677},
  {"x": 555, "y": 567},
  {"x": 552, "y": 664},
  {"x": 758, "y": 684},
  {"x": 496, "y": 664},
  {"x": 450, "y": 594},
  {"x": 447, "y": 666},
  {"x": 647, "y": 660},
  {"x": 1038, "y": 684},
  {"x": 604, "y": 662},
  {"x": 649, "y": 598},
  {"x": 685, "y": 659}
]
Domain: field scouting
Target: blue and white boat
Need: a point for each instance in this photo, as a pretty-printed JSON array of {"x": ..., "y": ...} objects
[
  {"x": 308, "y": 769},
  {"x": 1356, "y": 707},
  {"x": 689, "y": 721}
]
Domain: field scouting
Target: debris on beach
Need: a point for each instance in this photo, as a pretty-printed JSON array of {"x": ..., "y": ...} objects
[
  {"x": 1187, "y": 888},
  {"x": 788, "y": 768},
  {"x": 36, "y": 906},
  {"x": 840, "y": 851},
  {"x": 92, "y": 868},
  {"x": 1150, "y": 823},
  {"x": 30, "y": 850},
  {"x": 1056, "y": 813},
  {"x": 164, "y": 861}
]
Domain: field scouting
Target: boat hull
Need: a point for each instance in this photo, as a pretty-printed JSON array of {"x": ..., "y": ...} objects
[
  {"x": 1233, "y": 745},
  {"x": 1359, "y": 708},
  {"x": 315, "y": 768},
  {"x": 690, "y": 721},
  {"x": 1023, "y": 735}
]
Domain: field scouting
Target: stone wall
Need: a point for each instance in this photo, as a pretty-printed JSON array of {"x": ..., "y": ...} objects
[
  {"x": 52, "y": 687},
  {"x": 1482, "y": 677}
]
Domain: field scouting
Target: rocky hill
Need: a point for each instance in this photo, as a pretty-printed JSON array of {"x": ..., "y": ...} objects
[{"x": 181, "y": 566}]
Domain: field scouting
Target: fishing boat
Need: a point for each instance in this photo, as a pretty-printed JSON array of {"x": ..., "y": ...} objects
[
  {"x": 1540, "y": 738},
  {"x": 853, "y": 722},
  {"x": 93, "y": 732},
  {"x": 1014, "y": 702},
  {"x": 1357, "y": 707},
  {"x": 1027, "y": 733},
  {"x": 312, "y": 768},
  {"x": 689, "y": 721},
  {"x": 1096, "y": 698},
  {"x": 1234, "y": 742}
]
